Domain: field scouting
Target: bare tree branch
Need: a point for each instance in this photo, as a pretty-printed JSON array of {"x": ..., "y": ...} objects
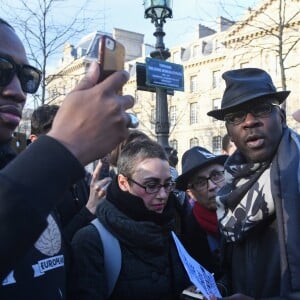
[
  {"x": 42, "y": 33},
  {"x": 278, "y": 24}
]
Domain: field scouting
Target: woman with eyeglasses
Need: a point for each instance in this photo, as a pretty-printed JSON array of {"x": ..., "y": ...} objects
[
  {"x": 202, "y": 177},
  {"x": 139, "y": 212}
]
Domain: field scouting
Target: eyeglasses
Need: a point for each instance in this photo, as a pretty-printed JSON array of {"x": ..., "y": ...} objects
[
  {"x": 260, "y": 110},
  {"x": 152, "y": 188},
  {"x": 201, "y": 183},
  {"x": 29, "y": 76}
]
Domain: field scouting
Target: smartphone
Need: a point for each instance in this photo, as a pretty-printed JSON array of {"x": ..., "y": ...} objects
[
  {"x": 104, "y": 171},
  {"x": 111, "y": 56}
]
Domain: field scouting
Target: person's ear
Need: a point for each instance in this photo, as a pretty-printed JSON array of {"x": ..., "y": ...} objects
[
  {"x": 123, "y": 183},
  {"x": 33, "y": 137},
  {"x": 283, "y": 117}
]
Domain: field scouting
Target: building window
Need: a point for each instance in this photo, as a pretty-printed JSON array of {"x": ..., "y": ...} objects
[
  {"x": 54, "y": 92},
  {"x": 217, "y": 144},
  {"x": 193, "y": 84},
  {"x": 176, "y": 57},
  {"x": 136, "y": 97},
  {"x": 194, "y": 142},
  {"x": 174, "y": 144},
  {"x": 216, "y": 79},
  {"x": 172, "y": 115},
  {"x": 152, "y": 118},
  {"x": 204, "y": 46},
  {"x": 130, "y": 67},
  {"x": 196, "y": 51},
  {"x": 193, "y": 113},
  {"x": 153, "y": 96},
  {"x": 217, "y": 46}
]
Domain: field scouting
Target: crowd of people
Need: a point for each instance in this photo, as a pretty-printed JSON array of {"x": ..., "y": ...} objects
[{"x": 237, "y": 214}]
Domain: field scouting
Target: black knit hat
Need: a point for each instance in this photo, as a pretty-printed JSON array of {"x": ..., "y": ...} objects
[
  {"x": 193, "y": 160},
  {"x": 244, "y": 85}
]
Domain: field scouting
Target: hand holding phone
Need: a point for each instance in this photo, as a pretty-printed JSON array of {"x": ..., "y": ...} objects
[{"x": 111, "y": 56}]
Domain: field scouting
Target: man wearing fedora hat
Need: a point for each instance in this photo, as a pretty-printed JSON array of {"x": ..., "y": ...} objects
[
  {"x": 202, "y": 177},
  {"x": 258, "y": 208}
]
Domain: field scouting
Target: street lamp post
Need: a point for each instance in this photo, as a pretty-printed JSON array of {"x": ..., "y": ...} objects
[{"x": 158, "y": 11}]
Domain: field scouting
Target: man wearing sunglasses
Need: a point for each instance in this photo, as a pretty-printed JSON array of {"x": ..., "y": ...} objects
[
  {"x": 33, "y": 182},
  {"x": 202, "y": 177},
  {"x": 17, "y": 78},
  {"x": 258, "y": 208}
]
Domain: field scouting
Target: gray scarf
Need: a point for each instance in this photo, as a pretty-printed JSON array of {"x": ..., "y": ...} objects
[{"x": 255, "y": 191}]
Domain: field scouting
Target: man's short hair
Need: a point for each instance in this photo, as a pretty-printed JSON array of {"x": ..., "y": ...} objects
[
  {"x": 42, "y": 119},
  {"x": 134, "y": 135}
]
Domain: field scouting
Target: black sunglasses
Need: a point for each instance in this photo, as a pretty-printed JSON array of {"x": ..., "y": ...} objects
[
  {"x": 29, "y": 76},
  {"x": 259, "y": 110}
]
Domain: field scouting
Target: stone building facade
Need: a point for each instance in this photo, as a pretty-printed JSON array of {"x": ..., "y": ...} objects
[
  {"x": 259, "y": 39},
  {"x": 76, "y": 60}
]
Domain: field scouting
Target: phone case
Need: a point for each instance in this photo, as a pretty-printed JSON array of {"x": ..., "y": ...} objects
[{"x": 111, "y": 56}]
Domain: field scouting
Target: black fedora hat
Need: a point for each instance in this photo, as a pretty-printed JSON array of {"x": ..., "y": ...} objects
[
  {"x": 192, "y": 161},
  {"x": 244, "y": 85}
]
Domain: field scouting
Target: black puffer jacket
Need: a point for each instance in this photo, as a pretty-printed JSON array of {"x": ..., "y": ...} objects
[{"x": 151, "y": 268}]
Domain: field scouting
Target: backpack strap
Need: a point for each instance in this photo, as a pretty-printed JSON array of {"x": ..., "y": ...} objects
[{"x": 112, "y": 256}]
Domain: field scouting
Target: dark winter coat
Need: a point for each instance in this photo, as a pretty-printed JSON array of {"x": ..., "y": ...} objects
[
  {"x": 151, "y": 268},
  {"x": 23, "y": 218},
  {"x": 265, "y": 261},
  {"x": 260, "y": 274},
  {"x": 196, "y": 241}
]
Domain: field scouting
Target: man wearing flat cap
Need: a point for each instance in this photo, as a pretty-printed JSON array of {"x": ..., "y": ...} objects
[
  {"x": 202, "y": 177},
  {"x": 259, "y": 206}
]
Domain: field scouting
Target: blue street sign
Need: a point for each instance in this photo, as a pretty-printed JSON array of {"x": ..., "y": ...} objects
[{"x": 160, "y": 73}]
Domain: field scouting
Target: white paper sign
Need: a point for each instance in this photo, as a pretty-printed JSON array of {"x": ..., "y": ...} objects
[{"x": 199, "y": 276}]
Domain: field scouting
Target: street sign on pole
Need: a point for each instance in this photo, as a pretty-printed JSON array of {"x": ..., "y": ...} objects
[
  {"x": 160, "y": 73},
  {"x": 141, "y": 80}
]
